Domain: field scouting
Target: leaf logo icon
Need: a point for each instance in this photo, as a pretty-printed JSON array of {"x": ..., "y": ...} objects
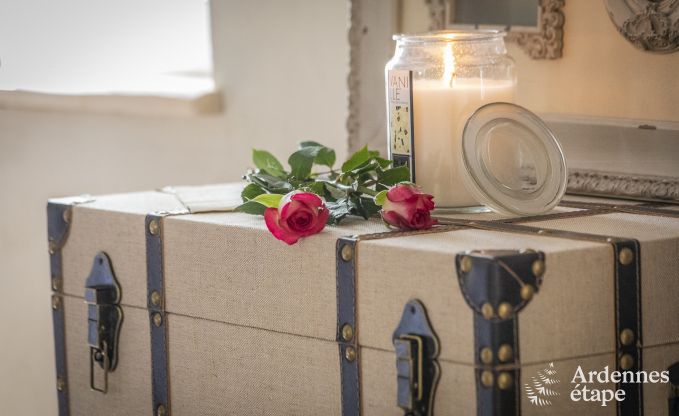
[{"x": 539, "y": 390}]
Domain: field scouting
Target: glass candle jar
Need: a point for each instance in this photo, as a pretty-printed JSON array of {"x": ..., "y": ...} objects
[
  {"x": 437, "y": 83},
  {"x": 453, "y": 74}
]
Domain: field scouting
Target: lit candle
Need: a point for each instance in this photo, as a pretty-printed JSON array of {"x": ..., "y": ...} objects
[{"x": 441, "y": 110}]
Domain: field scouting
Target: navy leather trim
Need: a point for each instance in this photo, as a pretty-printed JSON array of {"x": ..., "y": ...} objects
[
  {"x": 346, "y": 315},
  {"x": 157, "y": 315},
  {"x": 493, "y": 401},
  {"x": 628, "y": 317},
  {"x": 58, "y": 321},
  {"x": 492, "y": 283},
  {"x": 57, "y": 231}
]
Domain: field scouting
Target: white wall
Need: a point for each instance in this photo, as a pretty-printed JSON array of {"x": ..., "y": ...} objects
[{"x": 282, "y": 67}]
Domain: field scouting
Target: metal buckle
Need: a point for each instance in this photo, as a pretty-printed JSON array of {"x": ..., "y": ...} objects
[
  {"x": 417, "y": 370},
  {"x": 104, "y": 317},
  {"x": 97, "y": 355}
]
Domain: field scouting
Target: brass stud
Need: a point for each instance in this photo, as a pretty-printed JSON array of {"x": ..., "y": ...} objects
[
  {"x": 61, "y": 384},
  {"x": 626, "y": 362},
  {"x": 347, "y": 332},
  {"x": 487, "y": 378},
  {"x": 526, "y": 250},
  {"x": 67, "y": 215},
  {"x": 53, "y": 247},
  {"x": 56, "y": 283},
  {"x": 350, "y": 354},
  {"x": 541, "y": 232},
  {"x": 347, "y": 252},
  {"x": 505, "y": 353},
  {"x": 56, "y": 302},
  {"x": 466, "y": 264},
  {"x": 527, "y": 292},
  {"x": 157, "y": 319},
  {"x": 487, "y": 310},
  {"x": 626, "y": 336},
  {"x": 505, "y": 310},
  {"x": 538, "y": 268},
  {"x": 155, "y": 298},
  {"x": 154, "y": 227},
  {"x": 161, "y": 410},
  {"x": 486, "y": 355},
  {"x": 504, "y": 381},
  {"x": 626, "y": 256}
]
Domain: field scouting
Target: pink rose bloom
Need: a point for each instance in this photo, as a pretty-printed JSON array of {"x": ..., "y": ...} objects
[
  {"x": 408, "y": 208},
  {"x": 300, "y": 214}
]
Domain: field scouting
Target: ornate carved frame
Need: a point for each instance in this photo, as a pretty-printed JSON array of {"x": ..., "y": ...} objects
[
  {"x": 649, "y": 25},
  {"x": 545, "y": 43},
  {"x": 650, "y": 188}
]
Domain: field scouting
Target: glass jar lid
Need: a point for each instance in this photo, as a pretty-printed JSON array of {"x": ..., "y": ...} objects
[{"x": 514, "y": 163}]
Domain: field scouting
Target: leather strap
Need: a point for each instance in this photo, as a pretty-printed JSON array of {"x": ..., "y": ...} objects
[
  {"x": 347, "y": 332},
  {"x": 157, "y": 315},
  {"x": 653, "y": 209},
  {"x": 58, "y": 226},
  {"x": 497, "y": 285}
]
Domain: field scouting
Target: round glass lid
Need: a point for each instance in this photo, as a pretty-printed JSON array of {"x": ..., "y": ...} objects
[{"x": 514, "y": 163}]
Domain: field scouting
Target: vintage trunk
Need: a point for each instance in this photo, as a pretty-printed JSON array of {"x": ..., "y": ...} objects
[{"x": 204, "y": 313}]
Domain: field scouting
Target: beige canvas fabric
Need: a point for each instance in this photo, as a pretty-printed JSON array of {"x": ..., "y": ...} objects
[
  {"x": 219, "y": 369},
  {"x": 227, "y": 267},
  {"x": 129, "y": 385},
  {"x": 113, "y": 224},
  {"x": 252, "y": 321},
  {"x": 659, "y": 237},
  {"x": 386, "y": 282}
]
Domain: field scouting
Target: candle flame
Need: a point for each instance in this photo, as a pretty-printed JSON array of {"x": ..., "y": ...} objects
[{"x": 448, "y": 65}]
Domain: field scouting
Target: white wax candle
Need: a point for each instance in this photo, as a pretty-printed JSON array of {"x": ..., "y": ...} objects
[{"x": 440, "y": 113}]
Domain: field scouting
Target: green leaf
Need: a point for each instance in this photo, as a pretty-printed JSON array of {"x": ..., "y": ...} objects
[
  {"x": 384, "y": 163},
  {"x": 325, "y": 156},
  {"x": 357, "y": 159},
  {"x": 318, "y": 188},
  {"x": 270, "y": 183},
  {"x": 251, "y": 207},
  {"x": 394, "y": 175},
  {"x": 251, "y": 191},
  {"x": 268, "y": 163},
  {"x": 301, "y": 162},
  {"x": 269, "y": 200},
  {"x": 381, "y": 198},
  {"x": 336, "y": 191},
  {"x": 309, "y": 143},
  {"x": 338, "y": 210},
  {"x": 365, "y": 207}
]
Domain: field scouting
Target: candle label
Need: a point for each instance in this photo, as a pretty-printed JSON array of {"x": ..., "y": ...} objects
[{"x": 401, "y": 134}]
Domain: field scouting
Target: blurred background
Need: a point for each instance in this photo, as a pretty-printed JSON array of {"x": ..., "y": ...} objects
[{"x": 105, "y": 97}]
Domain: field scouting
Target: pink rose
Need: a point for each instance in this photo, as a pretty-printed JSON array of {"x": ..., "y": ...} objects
[
  {"x": 407, "y": 208},
  {"x": 299, "y": 214}
]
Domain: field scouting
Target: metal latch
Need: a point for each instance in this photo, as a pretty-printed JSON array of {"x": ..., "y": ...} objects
[
  {"x": 104, "y": 316},
  {"x": 417, "y": 370}
]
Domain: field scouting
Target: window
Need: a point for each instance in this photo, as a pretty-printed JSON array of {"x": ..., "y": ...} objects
[{"x": 149, "y": 47}]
